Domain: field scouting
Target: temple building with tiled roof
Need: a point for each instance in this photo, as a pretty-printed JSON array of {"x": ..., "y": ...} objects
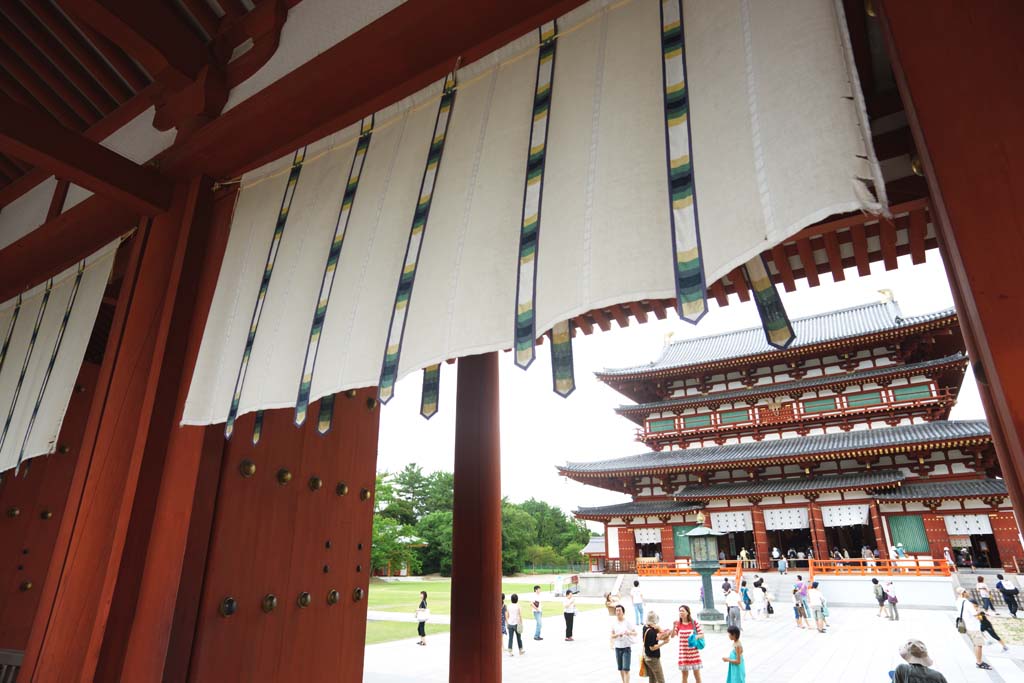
[{"x": 840, "y": 441}]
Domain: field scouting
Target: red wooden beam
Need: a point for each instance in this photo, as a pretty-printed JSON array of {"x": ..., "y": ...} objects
[
  {"x": 835, "y": 256},
  {"x": 152, "y": 33},
  {"x": 637, "y": 309},
  {"x": 582, "y": 323},
  {"x": 887, "y": 241},
  {"x": 739, "y": 283},
  {"x": 781, "y": 261},
  {"x": 658, "y": 308},
  {"x": 60, "y": 27},
  {"x": 53, "y": 78},
  {"x": 203, "y": 15},
  {"x": 60, "y": 56},
  {"x": 72, "y": 156},
  {"x": 918, "y": 230},
  {"x": 860, "y": 250},
  {"x": 601, "y": 319},
  {"x": 803, "y": 246},
  {"x": 717, "y": 290},
  {"x": 123, "y": 64},
  {"x": 620, "y": 315},
  {"x": 45, "y": 97}
]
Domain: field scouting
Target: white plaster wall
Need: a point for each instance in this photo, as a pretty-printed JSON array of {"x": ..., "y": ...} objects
[{"x": 26, "y": 213}]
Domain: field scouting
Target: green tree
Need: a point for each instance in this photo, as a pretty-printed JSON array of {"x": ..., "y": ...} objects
[
  {"x": 436, "y": 531},
  {"x": 518, "y": 532},
  {"x": 438, "y": 492},
  {"x": 391, "y": 546},
  {"x": 387, "y": 503},
  {"x": 571, "y": 553},
  {"x": 410, "y": 487},
  {"x": 542, "y": 556}
]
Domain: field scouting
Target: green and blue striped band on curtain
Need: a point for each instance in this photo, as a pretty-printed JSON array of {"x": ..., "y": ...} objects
[
  {"x": 691, "y": 291},
  {"x": 10, "y": 332},
  {"x": 24, "y": 364},
  {"x": 533, "y": 192},
  {"x": 268, "y": 271},
  {"x": 778, "y": 331},
  {"x": 325, "y": 418},
  {"x": 330, "y": 269},
  {"x": 53, "y": 358},
  {"x": 563, "y": 376},
  {"x": 257, "y": 428},
  {"x": 396, "y": 330},
  {"x": 431, "y": 389}
]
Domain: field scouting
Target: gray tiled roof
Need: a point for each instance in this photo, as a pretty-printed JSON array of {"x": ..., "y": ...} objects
[
  {"x": 774, "y": 487},
  {"x": 786, "y": 387},
  {"x": 845, "y": 323},
  {"x": 595, "y": 546},
  {"x": 904, "y": 435},
  {"x": 970, "y": 488},
  {"x": 638, "y": 509}
]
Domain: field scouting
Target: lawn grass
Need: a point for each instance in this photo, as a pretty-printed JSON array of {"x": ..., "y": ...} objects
[
  {"x": 404, "y": 596},
  {"x": 387, "y": 631}
]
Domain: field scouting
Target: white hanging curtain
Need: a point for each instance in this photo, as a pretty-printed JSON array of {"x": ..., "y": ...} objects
[
  {"x": 613, "y": 542},
  {"x": 777, "y": 144},
  {"x": 845, "y": 515},
  {"x": 647, "y": 535},
  {"x": 44, "y": 333},
  {"x": 725, "y": 522},
  {"x": 786, "y": 518},
  {"x": 967, "y": 525}
]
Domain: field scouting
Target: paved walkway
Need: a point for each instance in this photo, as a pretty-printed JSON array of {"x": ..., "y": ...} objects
[{"x": 860, "y": 648}]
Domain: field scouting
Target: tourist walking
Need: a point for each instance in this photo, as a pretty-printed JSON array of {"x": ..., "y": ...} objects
[
  {"x": 816, "y": 599},
  {"x": 637, "y": 596},
  {"x": 986, "y": 597},
  {"x": 799, "y": 612},
  {"x": 801, "y": 589},
  {"x": 986, "y": 627},
  {"x": 745, "y": 595},
  {"x": 538, "y": 613},
  {"x": 569, "y": 612},
  {"x": 879, "y": 595},
  {"x": 918, "y": 665},
  {"x": 737, "y": 667},
  {"x": 514, "y": 619},
  {"x": 948, "y": 556},
  {"x": 891, "y": 600},
  {"x": 653, "y": 640},
  {"x": 689, "y": 655},
  {"x": 783, "y": 565},
  {"x": 622, "y": 635},
  {"x": 1009, "y": 592},
  {"x": 422, "y": 614},
  {"x": 732, "y": 603},
  {"x": 968, "y": 623},
  {"x": 776, "y": 555},
  {"x": 759, "y": 601}
]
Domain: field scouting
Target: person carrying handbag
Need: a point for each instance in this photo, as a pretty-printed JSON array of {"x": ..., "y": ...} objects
[
  {"x": 514, "y": 621},
  {"x": 653, "y": 640},
  {"x": 422, "y": 614}
]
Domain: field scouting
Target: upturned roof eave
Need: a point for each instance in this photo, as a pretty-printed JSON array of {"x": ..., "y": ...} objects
[{"x": 792, "y": 352}]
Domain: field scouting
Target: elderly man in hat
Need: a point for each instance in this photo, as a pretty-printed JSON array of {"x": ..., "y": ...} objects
[{"x": 918, "y": 667}]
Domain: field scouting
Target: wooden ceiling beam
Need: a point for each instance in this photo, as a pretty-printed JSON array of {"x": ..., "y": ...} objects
[
  {"x": 860, "y": 250},
  {"x": 57, "y": 82},
  {"x": 739, "y": 284},
  {"x": 204, "y": 16},
  {"x": 918, "y": 231},
  {"x": 803, "y": 246},
  {"x": 60, "y": 56},
  {"x": 887, "y": 242},
  {"x": 43, "y": 96},
  {"x": 835, "y": 256},
  {"x": 152, "y": 33},
  {"x": 74, "y": 157},
  {"x": 62, "y": 29},
  {"x": 781, "y": 261},
  {"x": 123, "y": 65}
]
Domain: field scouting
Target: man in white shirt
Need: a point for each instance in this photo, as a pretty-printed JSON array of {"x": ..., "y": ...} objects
[
  {"x": 637, "y": 596},
  {"x": 816, "y": 600},
  {"x": 732, "y": 603},
  {"x": 968, "y": 612}
]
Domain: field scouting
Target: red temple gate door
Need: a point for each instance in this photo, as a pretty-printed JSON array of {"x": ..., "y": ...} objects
[{"x": 284, "y": 596}]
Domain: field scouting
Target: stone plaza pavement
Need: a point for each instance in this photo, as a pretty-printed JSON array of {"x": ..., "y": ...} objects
[{"x": 859, "y": 648}]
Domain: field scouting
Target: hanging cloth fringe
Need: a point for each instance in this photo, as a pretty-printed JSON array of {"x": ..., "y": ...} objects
[
  {"x": 325, "y": 418},
  {"x": 691, "y": 290},
  {"x": 403, "y": 297},
  {"x": 268, "y": 271},
  {"x": 526, "y": 283},
  {"x": 563, "y": 377},
  {"x": 431, "y": 389},
  {"x": 257, "y": 428},
  {"x": 778, "y": 331},
  {"x": 330, "y": 269}
]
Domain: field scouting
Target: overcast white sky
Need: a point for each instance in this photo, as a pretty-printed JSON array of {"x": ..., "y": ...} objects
[{"x": 540, "y": 430}]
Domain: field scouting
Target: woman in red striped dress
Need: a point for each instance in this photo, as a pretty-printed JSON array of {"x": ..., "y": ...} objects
[{"x": 689, "y": 657}]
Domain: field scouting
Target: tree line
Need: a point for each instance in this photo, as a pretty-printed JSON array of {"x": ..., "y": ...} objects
[{"x": 412, "y": 526}]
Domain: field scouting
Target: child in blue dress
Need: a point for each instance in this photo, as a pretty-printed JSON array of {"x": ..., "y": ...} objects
[{"x": 737, "y": 667}]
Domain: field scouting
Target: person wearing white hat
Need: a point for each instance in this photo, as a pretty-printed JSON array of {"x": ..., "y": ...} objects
[{"x": 918, "y": 667}]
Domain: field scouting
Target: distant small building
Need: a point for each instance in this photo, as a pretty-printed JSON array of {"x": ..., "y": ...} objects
[
  {"x": 840, "y": 442},
  {"x": 595, "y": 553}
]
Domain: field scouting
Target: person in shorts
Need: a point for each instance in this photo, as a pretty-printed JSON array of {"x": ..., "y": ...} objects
[
  {"x": 968, "y": 612},
  {"x": 622, "y": 635}
]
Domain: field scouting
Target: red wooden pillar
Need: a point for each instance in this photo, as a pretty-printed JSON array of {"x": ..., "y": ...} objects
[
  {"x": 627, "y": 547},
  {"x": 818, "y": 540},
  {"x": 1004, "y": 528},
  {"x": 958, "y": 67},
  {"x": 70, "y": 625},
  {"x": 476, "y": 528},
  {"x": 935, "y": 530},
  {"x": 668, "y": 543},
  {"x": 761, "y": 547},
  {"x": 876, "y": 526}
]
